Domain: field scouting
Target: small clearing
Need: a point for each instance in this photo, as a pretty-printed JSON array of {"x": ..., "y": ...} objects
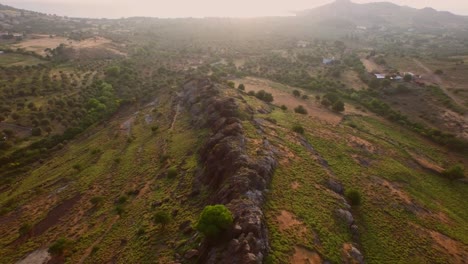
[
  {"x": 287, "y": 220},
  {"x": 295, "y": 185},
  {"x": 39, "y": 43},
  {"x": 372, "y": 66},
  {"x": 285, "y": 97},
  {"x": 305, "y": 256}
]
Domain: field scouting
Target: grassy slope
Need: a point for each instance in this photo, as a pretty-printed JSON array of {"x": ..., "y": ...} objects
[
  {"x": 393, "y": 228},
  {"x": 111, "y": 165},
  {"x": 402, "y": 203}
]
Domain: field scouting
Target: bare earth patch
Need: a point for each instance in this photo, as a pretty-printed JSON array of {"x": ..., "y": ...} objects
[
  {"x": 39, "y": 43},
  {"x": 305, "y": 256},
  {"x": 362, "y": 144},
  {"x": 295, "y": 185},
  {"x": 40, "y": 256},
  {"x": 287, "y": 220},
  {"x": 426, "y": 164},
  {"x": 454, "y": 248},
  {"x": 372, "y": 66}
]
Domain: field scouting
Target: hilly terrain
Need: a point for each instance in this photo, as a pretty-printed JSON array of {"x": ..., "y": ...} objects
[{"x": 221, "y": 140}]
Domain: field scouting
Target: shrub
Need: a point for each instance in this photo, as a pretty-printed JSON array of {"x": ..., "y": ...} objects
[
  {"x": 338, "y": 106},
  {"x": 172, "y": 172},
  {"x": 162, "y": 218},
  {"x": 454, "y": 172},
  {"x": 284, "y": 108},
  {"x": 296, "y": 93},
  {"x": 214, "y": 219},
  {"x": 97, "y": 200},
  {"x": 439, "y": 72},
  {"x": 241, "y": 87},
  {"x": 325, "y": 102},
  {"x": 122, "y": 199},
  {"x": 251, "y": 93},
  {"x": 305, "y": 97},
  {"x": 25, "y": 229},
  {"x": 298, "y": 129},
  {"x": 163, "y": 158},
  {"x": 154, "y": 129},
  {"x": 264, "y": 96},
  {"x": 77, "y": 167},
  {"x": 300, "y": 110},
  {"x": 231, "y": 84},
  {"x": 141, "y": 231},
  {"x": 36, "y": 132},
  {"x": 58, "y": 247},
  {"x": 408, "y": 78},
  {"x": 354, "y": 197},
  {"x": 119, "y": 209}
]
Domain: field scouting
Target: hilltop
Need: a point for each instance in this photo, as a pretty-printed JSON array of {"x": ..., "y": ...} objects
[{"x": 385, "y": 14}]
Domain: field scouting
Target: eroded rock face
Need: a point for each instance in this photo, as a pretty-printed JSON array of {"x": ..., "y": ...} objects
[{"x": 237, "y": 179}]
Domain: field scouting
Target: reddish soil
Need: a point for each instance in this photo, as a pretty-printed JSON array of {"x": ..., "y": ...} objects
[
  {"x": 54, "y": 216},
  {"x": 287, "y": 220},
  {"x": 305, "y": 256},
  {"x": 426, "y": 164},
  {"x": 295, "y": 185}
]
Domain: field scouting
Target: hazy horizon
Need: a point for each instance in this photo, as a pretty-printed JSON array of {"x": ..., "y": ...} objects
[{"x": 201, "y": 8}]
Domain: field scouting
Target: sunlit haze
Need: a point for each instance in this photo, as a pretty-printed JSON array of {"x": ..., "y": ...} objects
[{"x": 201, "y": 8}]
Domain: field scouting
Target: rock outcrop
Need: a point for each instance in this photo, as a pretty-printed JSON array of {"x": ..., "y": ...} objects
[{"x": 236, "y": 179}]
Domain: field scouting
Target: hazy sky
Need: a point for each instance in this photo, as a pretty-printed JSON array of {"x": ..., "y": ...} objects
[{"x": 201, "y": 8}]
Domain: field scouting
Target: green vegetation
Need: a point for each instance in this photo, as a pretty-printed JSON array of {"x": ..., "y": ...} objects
[
  {"x": 59, "y": 247},
  {"x": 454, "y": 172},
  {"x": 298, "y": 129},
  {"x": 213, "y": 220},
  {"x": 264, "y": 96},
  {"x": 300, "y": 110},
  {"x": 338, "y": 106},
  {"x": 25, "y": 229},
  {"x": 172, "y": 172},
  {"x": 162, "y": 218},
  {"x": 354, "y": 197}
]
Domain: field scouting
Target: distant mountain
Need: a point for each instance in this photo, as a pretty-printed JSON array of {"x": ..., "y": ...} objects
[{"x": 383, "y": 14}]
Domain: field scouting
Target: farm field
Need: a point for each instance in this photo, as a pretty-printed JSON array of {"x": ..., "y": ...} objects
[{"x": 12, "y": 59}]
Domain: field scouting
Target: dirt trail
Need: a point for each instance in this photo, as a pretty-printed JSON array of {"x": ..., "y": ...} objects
[
  {"x": 437, "y": 80},
  {"x": 90, "y": 248},
  {"x": 175, "y": 117},
  {"x": 372, "y": 66}
]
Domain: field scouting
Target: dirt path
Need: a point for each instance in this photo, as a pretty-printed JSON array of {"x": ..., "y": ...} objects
[
  {"x": 90, "y": 248},
  {"x": 175, "y": 117},
  {"x": 437, "y": 80},
  {"x": 372, "y": 66}
]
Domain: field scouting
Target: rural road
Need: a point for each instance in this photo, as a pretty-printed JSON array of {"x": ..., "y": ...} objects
[{"x": 440, "y": 82}]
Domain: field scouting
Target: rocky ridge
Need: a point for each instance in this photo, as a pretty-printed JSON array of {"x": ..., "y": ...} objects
[{"x": 236, "y": 178}]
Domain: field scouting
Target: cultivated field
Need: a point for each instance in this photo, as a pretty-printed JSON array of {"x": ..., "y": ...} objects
[{"x": 39, "y": 43}]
